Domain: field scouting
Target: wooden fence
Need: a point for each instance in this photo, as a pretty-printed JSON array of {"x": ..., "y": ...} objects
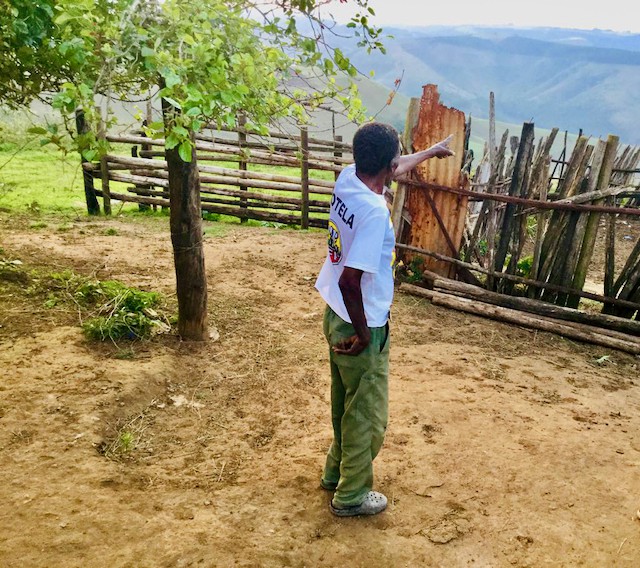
[
  {"x": 522, "y": 228},
  {"x": 292, "y": 192},
  {"x": 530, "y": 235}
]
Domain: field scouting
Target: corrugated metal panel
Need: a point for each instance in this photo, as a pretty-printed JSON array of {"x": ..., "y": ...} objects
[{"x": 435, "y": 123}]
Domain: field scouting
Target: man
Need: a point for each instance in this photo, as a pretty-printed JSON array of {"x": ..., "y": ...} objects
[{"x": 356, "y": 282}]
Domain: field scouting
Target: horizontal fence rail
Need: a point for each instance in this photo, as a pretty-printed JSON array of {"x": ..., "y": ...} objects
[{"x": 296, "y": 190}]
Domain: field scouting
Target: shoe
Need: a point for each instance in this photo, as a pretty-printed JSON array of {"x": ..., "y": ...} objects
[
  {"x": 373, "y": 504},
  {"x": 328, "y": 485}
]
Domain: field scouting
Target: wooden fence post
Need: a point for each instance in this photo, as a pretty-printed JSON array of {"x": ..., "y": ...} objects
[
  {"x": 518, "y": 183},
  {"x": 591, "y": 229},
  {"x": 242, "y": 163},
  {"x": 304, "y": 177},
  {"x": 492, "y": 219},
  {"x": 106, "y": 191},
  {"x": 400, "y": 194},
  {"x": 104, "y": 174},
  {"x": 337, "y": 153},
  {"x": 93, "y": 207}
]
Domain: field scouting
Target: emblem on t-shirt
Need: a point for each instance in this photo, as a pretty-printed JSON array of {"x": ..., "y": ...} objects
[{"x": 334, "y": 243}]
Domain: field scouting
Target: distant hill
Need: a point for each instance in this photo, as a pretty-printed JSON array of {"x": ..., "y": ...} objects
[{"x": 570, "y": 79}]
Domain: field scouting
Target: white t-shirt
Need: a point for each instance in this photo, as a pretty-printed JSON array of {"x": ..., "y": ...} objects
[{"x": 360, "y": 236}]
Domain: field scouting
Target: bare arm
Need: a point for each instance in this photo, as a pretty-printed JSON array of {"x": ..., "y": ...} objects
[
  {"x": 352, "y": 294},
  {"x": 408, "y": 162}
]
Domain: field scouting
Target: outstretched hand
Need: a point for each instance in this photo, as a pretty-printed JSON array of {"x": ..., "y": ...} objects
[
  {"x": 441, "y": 149},
  {"x": 409, "y": 161}
]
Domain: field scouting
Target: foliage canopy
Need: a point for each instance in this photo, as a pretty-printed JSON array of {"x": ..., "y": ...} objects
[{"x": 208, "y": 59}]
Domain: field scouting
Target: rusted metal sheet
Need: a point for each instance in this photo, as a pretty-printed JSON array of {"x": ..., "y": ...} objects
[{"x": 437, "y": 217}]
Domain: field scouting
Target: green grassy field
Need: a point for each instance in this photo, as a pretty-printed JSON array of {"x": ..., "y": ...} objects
[
  {"x": 43, "y": 183},
  {"x": 36, "y": 179}
]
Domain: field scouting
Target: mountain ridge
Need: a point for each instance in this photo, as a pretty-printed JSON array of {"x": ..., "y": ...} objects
[{"x": 576, "y": 80}]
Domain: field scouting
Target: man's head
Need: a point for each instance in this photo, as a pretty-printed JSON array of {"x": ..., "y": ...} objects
[{"x": 376, "y": 147}]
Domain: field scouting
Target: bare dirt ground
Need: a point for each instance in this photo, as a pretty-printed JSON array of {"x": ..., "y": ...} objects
[{"x": 506, "y": 447}]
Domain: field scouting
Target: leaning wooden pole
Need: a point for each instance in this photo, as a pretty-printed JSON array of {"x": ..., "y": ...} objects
[
  {"x": 518, "y": 187},
  {"x": 591, "y": 229},
  {"x": 400, "y": 193},
  {"x": 493, "y": 176},
  {"x": 186, "y": 237}
]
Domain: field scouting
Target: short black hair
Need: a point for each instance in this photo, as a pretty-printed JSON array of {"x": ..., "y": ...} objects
[{"x": 375, "y": 145}]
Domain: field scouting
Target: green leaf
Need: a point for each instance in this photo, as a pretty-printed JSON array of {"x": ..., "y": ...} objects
[
  {"x": 173, "y": 102},
  {"x": 171, "y": 141},
  {"x": 185, "y": 151},
  {"x": 171, "y": 79},
  {"x": 90, "y": 154},
  {"x": 181, "y": 131},
  {"x": 63, "y": 18},
  {"x": 37, "y": 130}
]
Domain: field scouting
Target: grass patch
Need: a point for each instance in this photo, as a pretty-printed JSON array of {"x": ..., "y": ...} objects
[
  {"x": 109, "y": 310},
  {"x": 41, "y": 180},
  {"x": 123, "y": 313}
]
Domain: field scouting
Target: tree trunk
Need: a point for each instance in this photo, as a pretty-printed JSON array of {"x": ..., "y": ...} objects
[{"x": 186, "y": 238}]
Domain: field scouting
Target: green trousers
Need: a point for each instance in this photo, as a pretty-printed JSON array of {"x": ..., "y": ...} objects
[{"x": 359, "y": 410}]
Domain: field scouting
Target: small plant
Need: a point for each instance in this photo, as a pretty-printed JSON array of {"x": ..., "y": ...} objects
[
  {"x": 51, "y": 302},
  {"x": 110, "y": 232},
  {"x": 38, "y": 225},
  {"x": 126, "y": 442},
  {"x": 126, "y": 437},
  {"x": 272, "y": 224},
  {"x": 415, "y": 269},
  {"x": 524, "y": 266}
]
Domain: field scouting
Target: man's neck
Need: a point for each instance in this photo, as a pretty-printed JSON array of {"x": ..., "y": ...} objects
[{"x": 375, "y": 183}]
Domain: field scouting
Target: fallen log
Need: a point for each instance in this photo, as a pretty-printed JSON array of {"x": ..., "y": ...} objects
[
  {"x": 533, "y": 306},
  {"x": 586, "y": 333},
  {"x": 582, "y": 293}
]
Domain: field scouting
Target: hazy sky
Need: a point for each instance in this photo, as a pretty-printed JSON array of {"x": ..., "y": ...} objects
[{"x": 618, "y": 15}]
